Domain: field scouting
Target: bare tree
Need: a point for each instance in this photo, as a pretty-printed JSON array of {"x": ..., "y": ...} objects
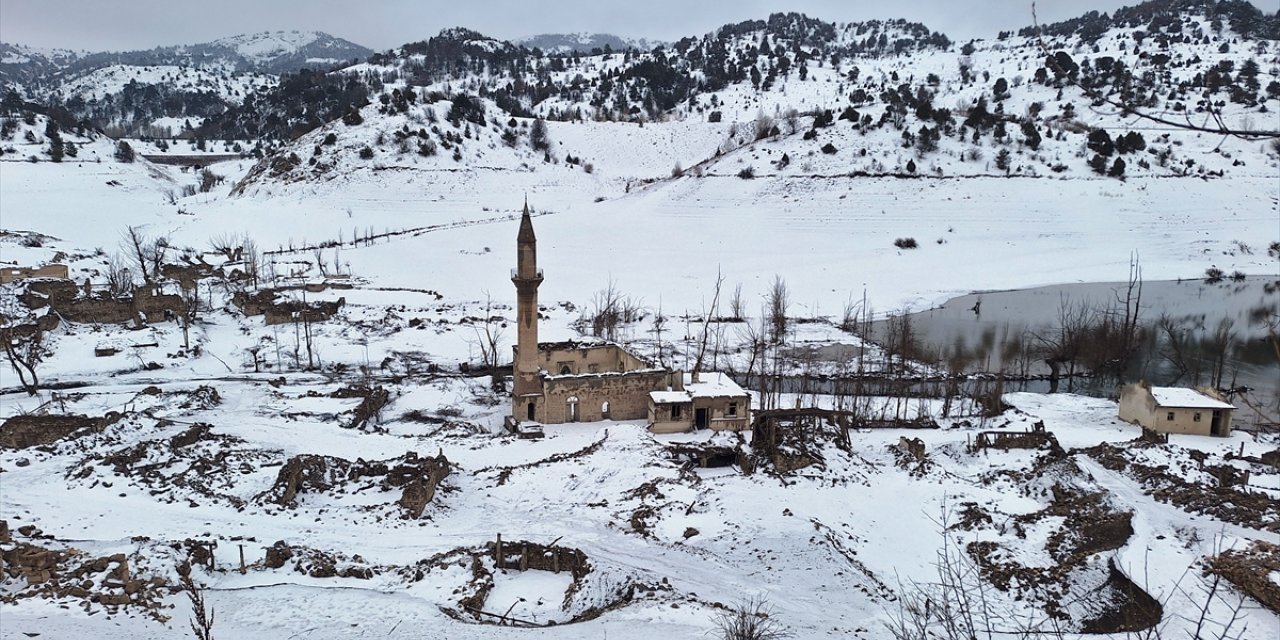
[
  {"x": 1064, "y": 345},
  {"x": 736, "y": 304},
  {"x": 752, "y": 619},
  {"x": 489, "y": 334},
  {"x": 319, "y": 256},
  {"x": 119, "y": 278},
  {"x": 146, "y": 254},
  {"x": 777, "y": 301},
  {"x": 135, "y": 246},
  {"x": 24, "y": 348},
  {"x": 610, "y": 310},
  {"x": 252, "y": 259},
  {"x": 707, "y": 316}
]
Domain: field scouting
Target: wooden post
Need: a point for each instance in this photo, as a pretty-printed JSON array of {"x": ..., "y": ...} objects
[
  {"x": 499, "y": 552},
  {"x": 242, "y": 559},
  {"x": 555, "y": 560},
  {"x": 524, "y": 557}
]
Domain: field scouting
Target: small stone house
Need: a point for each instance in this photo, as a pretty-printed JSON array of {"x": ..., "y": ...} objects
[
  {"x": 703, "y": 401},
  {"x": 1176, "y": 409}
]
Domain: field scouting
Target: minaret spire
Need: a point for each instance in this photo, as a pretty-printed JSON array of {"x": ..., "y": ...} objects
[{"x": 527, "y": 389}]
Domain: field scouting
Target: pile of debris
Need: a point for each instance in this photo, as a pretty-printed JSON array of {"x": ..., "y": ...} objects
[
  {"x": 372, "y": 401},
  {"x": 1251, "y": 570},
  {"x": 1082, "y": 525},
  {"x": 33, "y": 571},
  {"x": 195, "y": 462},
  {"x": 1224, "y": 495},
  {"x": 1035, "y": 440},
  {"x": 319, "y": 564},
  {"x": 587, "y": 597},
  {"x": 417, "y": 479},
  {"x": 691, "y": 455},
  {"x": 264, "y": 303},
  {"x": 909, "y": 454}
]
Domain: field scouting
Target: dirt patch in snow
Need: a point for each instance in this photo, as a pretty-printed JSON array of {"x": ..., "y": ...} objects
[{"x": 1078, "y": 526}]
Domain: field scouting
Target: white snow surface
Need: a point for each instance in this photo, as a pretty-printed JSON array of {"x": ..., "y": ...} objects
[{"x": 1186, "y": 398}]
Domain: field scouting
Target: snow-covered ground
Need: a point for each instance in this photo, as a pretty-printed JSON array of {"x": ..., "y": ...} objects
[{"x": 419, "y": 249}]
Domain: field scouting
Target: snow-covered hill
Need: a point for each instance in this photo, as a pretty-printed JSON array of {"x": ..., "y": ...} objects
[
  {"x": 138, "y": 92},
  {"x": 281, "y": 51},
  {"x": 567, "y": 43},
  {"x": 795, "y": 98}
]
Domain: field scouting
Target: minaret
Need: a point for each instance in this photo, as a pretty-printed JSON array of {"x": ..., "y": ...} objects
[{"x": 526, "y": 277}]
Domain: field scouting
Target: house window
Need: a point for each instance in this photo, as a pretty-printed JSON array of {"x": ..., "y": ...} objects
[
  {"x": 675, "y": 412},
  {"x": 1196, "y": 417},
  {"x": 565, "y": 370},
  {"x": 1169, "y": 417},
  {"x": 732, "y": 411},
  {"x": 593, "y": 368},
  {"x": 604, "y": 409}
]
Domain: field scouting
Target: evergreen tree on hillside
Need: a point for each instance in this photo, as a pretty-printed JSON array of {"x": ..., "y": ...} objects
[
  {"x": 124, "y": 152},
  {"x": 55, "y": 141}
]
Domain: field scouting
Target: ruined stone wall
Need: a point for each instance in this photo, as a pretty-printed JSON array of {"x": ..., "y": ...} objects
[
  {"x": 263, "y": 303},
  {"x": 22, "y": 431},
  {"x": 589, "y": 359},
  {"x": 63, "y": 296},
  {"x": 627, "y": 395},
  {"x": 1136, "y": 405},
  {"x": 660, "y": 419},
  {"x": 13, "y": 274}
]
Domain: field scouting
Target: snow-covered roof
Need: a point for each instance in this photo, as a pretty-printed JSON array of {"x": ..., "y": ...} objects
[
  {"x": 709, "y": 385},
  {"x": 1186, "y": 398},
  {"x": 712, "y": 385},
  {"x": 670, "y": 397}
]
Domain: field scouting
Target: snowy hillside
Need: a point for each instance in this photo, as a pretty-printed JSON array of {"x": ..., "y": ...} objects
[
  {"x": 112, "y": 80},
  {"x": 135, "y": 92},
  {"x": 20, "y": 65},
  {"x": 566, "y": 43},
  {"x": 279, "y": 51},
  {"x": 806, "y": 98}
]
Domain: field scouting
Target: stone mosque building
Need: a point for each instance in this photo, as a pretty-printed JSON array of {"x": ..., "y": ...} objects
[{"x": 561, "y": 382}]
